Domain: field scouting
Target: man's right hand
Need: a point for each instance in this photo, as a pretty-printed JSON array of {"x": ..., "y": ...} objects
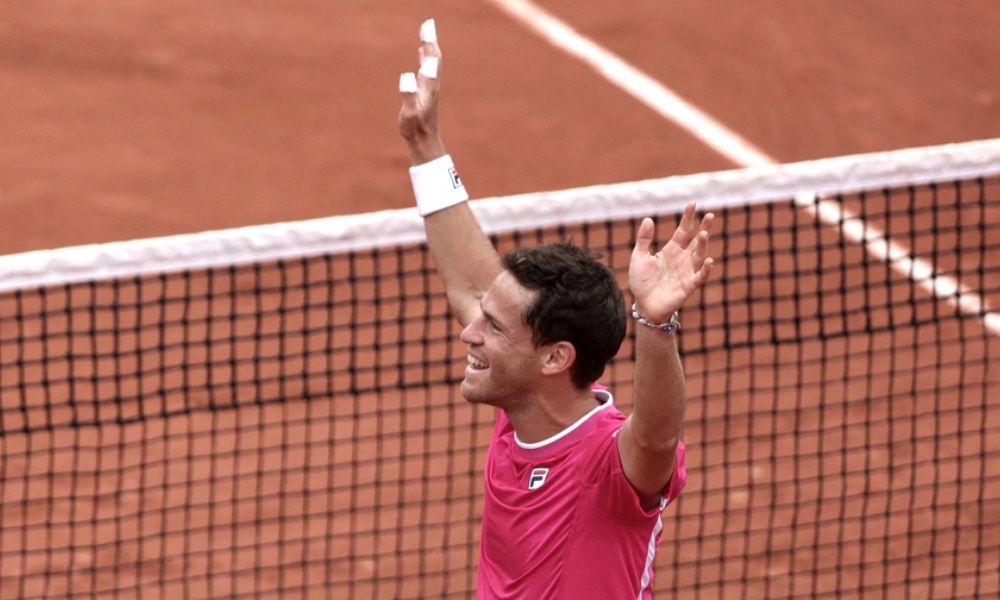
[{"x": 418, "y": 117}]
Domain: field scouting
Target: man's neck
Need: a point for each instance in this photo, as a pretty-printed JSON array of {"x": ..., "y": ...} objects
[{"x": 547, "y": 416}]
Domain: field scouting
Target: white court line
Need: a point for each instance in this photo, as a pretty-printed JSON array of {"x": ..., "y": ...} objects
[
  {"x": 917, "y": 269},
  {"x": 634, "y": 82},
  {"x": 729, "y": 144}
]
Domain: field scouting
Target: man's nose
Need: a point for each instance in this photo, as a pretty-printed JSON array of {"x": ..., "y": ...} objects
[{"x": 472, "y": 334}]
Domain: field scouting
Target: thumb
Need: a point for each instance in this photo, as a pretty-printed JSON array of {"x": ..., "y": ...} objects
[{"x": 408, "y": 87}]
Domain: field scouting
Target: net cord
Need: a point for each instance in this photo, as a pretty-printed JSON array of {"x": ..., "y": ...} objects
[{"x": 758, "y": 184}]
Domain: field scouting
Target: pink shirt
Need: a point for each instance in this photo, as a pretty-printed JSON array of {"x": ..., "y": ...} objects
[{"x": 560, "y": 519}]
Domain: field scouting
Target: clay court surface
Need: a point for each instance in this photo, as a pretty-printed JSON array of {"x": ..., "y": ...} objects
[
  {"x": 132, "y": 118},
  {"x": 123, "y": 119}
]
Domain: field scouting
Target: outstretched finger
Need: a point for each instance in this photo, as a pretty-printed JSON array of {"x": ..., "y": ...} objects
[
  {"x": 430, "y": 52},
  {"x": 687, "y": 229},
  {"x": 706, "y": 227},
  {"x": 643, "y": 238},
  {"x": 408, "y": 86},
  {"x": 705, "y": 271},
  {"x": 418, "y": 89},
  {"x": 700, "y": 243},
  {"x": 700, "y": 260}
]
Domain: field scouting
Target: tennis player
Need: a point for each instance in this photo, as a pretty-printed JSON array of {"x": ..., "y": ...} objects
[{"x": 575, "y": 490}]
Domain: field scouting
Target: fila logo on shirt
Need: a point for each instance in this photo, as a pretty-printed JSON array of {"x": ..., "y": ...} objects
[{"x": 538, "y": 476}]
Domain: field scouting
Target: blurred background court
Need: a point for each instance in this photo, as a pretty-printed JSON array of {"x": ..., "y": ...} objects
[
  {"x": 125, "y": 119},
  {"x": 178, "y": 438}
]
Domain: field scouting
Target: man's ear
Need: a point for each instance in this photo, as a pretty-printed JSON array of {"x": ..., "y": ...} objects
[{"x": 558, "y": 358}]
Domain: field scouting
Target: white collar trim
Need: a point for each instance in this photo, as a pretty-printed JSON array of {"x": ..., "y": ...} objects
[{"x": 606, "y": 400}]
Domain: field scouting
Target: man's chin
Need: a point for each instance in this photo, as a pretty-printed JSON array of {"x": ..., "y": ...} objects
[{"x": 471, "y": 394}]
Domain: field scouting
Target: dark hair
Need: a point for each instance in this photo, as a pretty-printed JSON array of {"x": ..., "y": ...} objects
[{"x": 578, "y": 300}]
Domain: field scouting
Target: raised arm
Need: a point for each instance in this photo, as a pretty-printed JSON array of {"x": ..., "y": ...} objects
[
  {"x": 466, "y": 259},
  {"x": 660, "y": 282}
]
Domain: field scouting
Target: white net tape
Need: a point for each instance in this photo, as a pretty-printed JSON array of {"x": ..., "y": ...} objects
[{"x": 913, "y": 166}]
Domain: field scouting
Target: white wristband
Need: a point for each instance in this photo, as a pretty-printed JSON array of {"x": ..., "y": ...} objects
[{"x": 436, "y": 185}]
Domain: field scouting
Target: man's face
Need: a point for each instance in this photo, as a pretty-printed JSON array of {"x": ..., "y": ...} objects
[{"x": 503, "y": 362}]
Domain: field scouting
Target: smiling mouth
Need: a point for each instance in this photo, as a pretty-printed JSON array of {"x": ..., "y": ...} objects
[{"x": 476, "y": 364}]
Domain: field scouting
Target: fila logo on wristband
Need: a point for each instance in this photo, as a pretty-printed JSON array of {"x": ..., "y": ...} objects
[{"x": 436, "y": 185}]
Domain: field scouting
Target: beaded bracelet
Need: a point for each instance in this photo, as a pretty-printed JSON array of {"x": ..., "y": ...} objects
[{"x": 670, "y": 326}]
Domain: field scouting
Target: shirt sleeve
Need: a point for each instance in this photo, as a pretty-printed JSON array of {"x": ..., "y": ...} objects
[
  {"x": 679, "y": 477},
  {"x": 612, "y": 493}
]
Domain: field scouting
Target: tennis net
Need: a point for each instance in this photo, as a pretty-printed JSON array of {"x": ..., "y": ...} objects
[{"x": 273, "y": 411}]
